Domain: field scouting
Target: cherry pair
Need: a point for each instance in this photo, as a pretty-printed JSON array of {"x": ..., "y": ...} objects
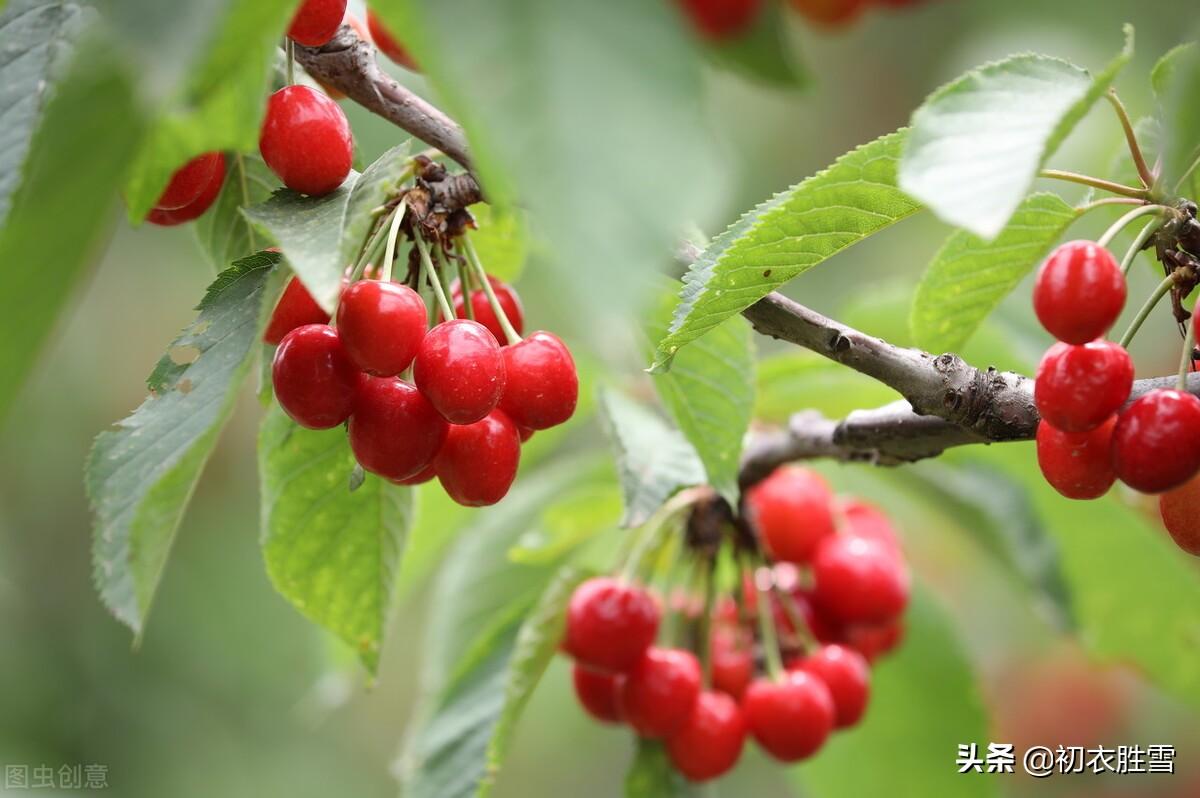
[{"x": 191, "y": 191}]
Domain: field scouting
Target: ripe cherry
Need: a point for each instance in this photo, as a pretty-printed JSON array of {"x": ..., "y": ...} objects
[
  {"x": 394, "y": 431},
  {"x": 196, "y": 208},
  {"x": 296, "y": 307},
  {"x": 1077, "y": 464},
  {"x": 790, "y": 718},
  {"x": 731, "y": 661},
  {"x": 610, "y": 624},
  {"x": 507, "y": 298},
  {"x": 710, "y": 741},
  {"x": 1079, "y": 292},
  {"x": 598, "y": 693},
  {"x": 1156, "y": 444},
  {"x": 388, "y": 44},
  {"x": 314, "y": 380},
  {"x": 829, "y": 13},
  {"x": 460, "y": 370},
  {"x": 316, "y": 21},
  {"x": 792, "y": 510},
  {"x": 859, "y": 580},
  {"x": 846, "y": 673},
  {"x": 542, "y": 386},
  {"x": 382, "y": 325},
  {"x": 875, "y": 640},
  {"x": 420, "y": 478},
  {"x": 1079, "y": 387},
  {"x": 189, "y": 181},
  {"x": 660, "y": 690},
  {"x": 721, "y": 19},
  {"x": 867, "y": 521},
  {"x": 1180, "y": 509},
  {"x": 478, "y": 462},
  {"x": 306, "y": 140}
]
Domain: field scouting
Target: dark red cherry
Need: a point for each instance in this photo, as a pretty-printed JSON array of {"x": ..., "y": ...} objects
[
  {"x": 1079, "y": 292},
  {"x": 460, "y": 370},
  {"x": 542, "y": 385},
  {"x": 382, "y": 325},
  {"x": 710, "y": 741},
  {"x": 1077, "y": 464},
  {"x": 296, "y": 307},
  {"x": 792, "y": 510},
  {"x": 1078, "y": 387},
  {"x": 478, "y": 462},
  {"x": 846, "y": 673},
  {"x": 420, "y": 478},
  {"x": 316, "y": 21},
  {"x": 598, "y": 693},
  {"x": 507, "y": 298},
  {"x": 859, "y": 580},
  {"x": 791, "y": 718},
  {"x": 1156, "y": 444},
  {"x": 306, "y": 140},
  {"x": 829, "y": 13},
  {"x": 190, "y": 181},
  {"x": 196, "y": 208},
  {"x": 610, "y": 624},
  {"x": 394, "y": 431},
  {"x": 660, "y": 690},
  {"x": 388, "y": 44},
  {"x": 314, "y": 381},
  {"x": 721, "y": 19},
  {"x": 1180, "y": 510}
]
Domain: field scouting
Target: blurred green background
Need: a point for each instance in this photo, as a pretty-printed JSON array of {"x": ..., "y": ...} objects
[{"x": 233, "y": 693}]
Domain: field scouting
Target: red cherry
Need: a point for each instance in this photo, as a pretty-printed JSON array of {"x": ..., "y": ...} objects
[
  {"x": 388, "y": 45},
  {"x": 460, "y": 370},
  {"x": 306, "y": 140},
  {"x": 1078, "y": 387},
  {"x": 598, "y": 693},
  {"x": 846, "y": 673},
  {"x": 868, "y": 521},
  {"x": 295, "y": 308},
  {"x": 790, "y": 718},
  {"x": 710, "y": 741},
  {"x": 875, "y": 640},
  {"x": 478, "y": 462},
  {"x": 314, "y": 380},
  {"x": 526, "y": 433},
  {"x": 420, "y": 478},
  {"x": 1156, "y": 444},
  {"x": 859, "y": 580},
  {"x": 196, "y": 208},
  {"x": 542, "y": 385},
  {"x": 829, "y": 13},
  {"x": 792, "y": 510},
  {"x": 506, "y": 296},
  {"x": 1079, "y": 292},
  {"x": 382, "y": 325},
  {"x": 1180, "y": 510},
  {"x": 394, "y": 431},
  {"x": 824, "y": 628},
  {"x": 610, "y": 624},
  {"x": 731, "y": 661},
  {"x": 660, "y": 691},
  {"x": 1077, "y": 464},
  {"x": 316, "y": 21},
  {"x": 721, "y": 19},
  {"x": 189, "y": 181}
]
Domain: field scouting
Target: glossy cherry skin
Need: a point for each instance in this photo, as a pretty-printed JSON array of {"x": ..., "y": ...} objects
[
  {"x": 790, "y": 719},
  {"x": 460, "y": 370},
  {"x": 731, "y": 661},
  {"x": 189, "y": 181},
  {"x": 1079, "y": 292},
  {"x": 296, "y": 307},
  {"x": 598, "y": 693},
  {"x": 313, "y": 378},
  {"x": 196, "y": 208},
  {"x": 1078, "y": 387},
  {"x": 542, "y": 385},
  {"x": 394, "y": 431},
  {"x": 660, "y": 690},
  {"x": 721, "y": 19},
  {"x": 316, "y": 21},
  {"x": 847, "y": 675},
  {"x": 859, "y": 580},
  {"x": 792, "y": 510},
  {"x": 388, "y": 44},
  {"x": 507, "y": 298},
  {"x": 873, "y": 641},
  {"x": 710, "y": 741},
  {"x": 382, "y": 325},
  {"x": 610, "y": 624},
  {"x": 868, "y": 521},
  {"x": 1180, "y": 510},
  {"x": 1156, "y": 444},
  {"x": 1077, "y": 464},
  {"x": 426, "y": 474},
  {"x": 829, "y": 13},
  {"x": 478, "y": 462},
  {"x": 306, "y": 140}
]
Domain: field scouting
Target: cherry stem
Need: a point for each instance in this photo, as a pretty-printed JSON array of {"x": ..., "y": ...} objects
[
  {"x": 1185, "y": 357},
  {"x": 1138, "y": 242},
  {"x": 289, "y": 47},
  {"x": 1144, "y": 312},
  {"x": 1095, "y": 182},
  {"x": 389, "y": 254},
  {"x": 1124, "y": 221},
  {"x": 766, "y": 629},
  {"x": 788, "y": 601},
  {"x": 1187, "y": 172},
  {"x": 464, "y": 285},
  {"x": 1139, "y": 161},
  {"x": 510, "y": 332},
  {"x": 643, "y": 538},
  {"x": 1105, "y": 201},
  {"x": 708, "y": 575},
  {"x": 430, "y": 274}
]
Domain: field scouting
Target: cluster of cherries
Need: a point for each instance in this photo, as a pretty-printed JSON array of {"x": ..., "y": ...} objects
[
  {"x": 720, "y": 20},
  {"x": 835, "y": 592}
]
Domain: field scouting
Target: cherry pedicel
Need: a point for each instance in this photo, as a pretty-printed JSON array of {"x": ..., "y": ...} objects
[
  {"x": 196, "y": 208},
  {"x": 478, "y": 462},
  {"x": 610, "y": 624},
  {"x": 296, "y": 307},
  {"x": 846, "y": 673},
  {"x": 306, "y": 140},
  {"x": 388, "y": 44},
  {"x": 542, "y": 384},
  {"x": 394, "y": 431},
  {"x": 1156, "y": 443},
  {"x": 598, "y": 693},
  {"x": 1078, "y": 387},
  {"x": 721, "y": 19},
  {"x": 1180, "y": 510},
  {"x": 1079, "y": 292},
  {"x": 859, "y": 580},
  {"x": 1077, "y": 464},
  {"x": 316, "y": 21},
  {"x": 506, "y": 295},
  {"x": 382, "y": 325},
  {"x": 660, "y": 690},
  {"x": 710, "y": 741},
  {"x": 190, "y": 181},
  {"x": 792, "y": 511},
  {"x": 313, "y": 378},
  {"x": 790, "y": 718},
  {"x": 460, "y": 370}
]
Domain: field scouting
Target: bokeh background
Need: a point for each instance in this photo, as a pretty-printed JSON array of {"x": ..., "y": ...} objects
[{"x": 233, "y": 693}]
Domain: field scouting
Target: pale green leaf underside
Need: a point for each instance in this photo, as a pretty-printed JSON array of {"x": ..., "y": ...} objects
[
  {"x": 651, "y": 774},
  {"x": 969, "y": 276},
  {"x": 977, "y": 143},
  {"x": 788, "y": 235},
  {"x": 1176, "y": 81},
  {"x": 334, "y": 554},
  {"x": 377, "y": 182},
  {"x": 223, "y": 233}
]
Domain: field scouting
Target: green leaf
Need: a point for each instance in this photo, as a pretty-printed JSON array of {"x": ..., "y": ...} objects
[
  {"x": 788, "y": 235},
  {"x": 377, "y": 182},
  {"x": 502, "y": 241},
  {"x": 969, "y": 275},
  {"x": 141, "y": 474},
  {"x": 1167, "y": 68},
  {"x": 223, "y": 232},
  {"x": 333, "y": 553},
  {"x": 971, "y": 158},
  {"x": 924, "y": 702},
  {"x": 652, "y": 776},
  {"x": 763, "y": 53},
  {"x": 800, "y": 380},
  {"x": 1176, "y": 80},
  {"x": 653, "y": 459},
  {"x": 569, "y": 523}
]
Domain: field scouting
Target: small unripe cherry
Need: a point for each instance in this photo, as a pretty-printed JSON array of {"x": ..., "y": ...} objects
[
  {"x": 710, "y": 741},
  {"x": 790, "y": 718},
  {"x": 316, "y": 21},
  {"x": 306, "y": 140},
  {"x": 314, "y": 380},
  {"x": 598, "y": 693},
  {"x": 196, "y": 208},
  {"x": 846, "y": 673},
  {"x": 1156, "y": 443},
  {"x": 859, "y": 580},
  {"x": 460, "y": 370},
  {"x": 296, "y": 307},
  {"x": 721, "y": 19},
  {"x": 382, "y": 325},
  {"x": 394, "y": 431},
  {"x": 189, "y": 181},
  {"x": 610, "y": 624},
  {"x": 506, "y": 297},
  {"x": 1077, "y": 464},
  {"x": 388, "y": 44},
  {"x": 542, "y": 385},
  {"x": 1180, "y": 510},
  {"x": 792, "y": 509},
  {"x": 1078, "y": 387},
  {"x": 478, "y": 462},
  {"x": 1079, "y": 292},
  {"x": 660, "y": 690}
]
